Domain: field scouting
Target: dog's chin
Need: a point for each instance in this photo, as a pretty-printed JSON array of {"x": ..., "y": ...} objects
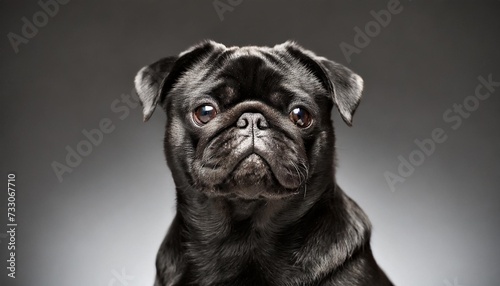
[{"x": 253, "y": 178}]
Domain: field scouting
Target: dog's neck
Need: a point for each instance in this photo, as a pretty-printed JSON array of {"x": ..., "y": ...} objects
[{"x": 205, "y": 211}]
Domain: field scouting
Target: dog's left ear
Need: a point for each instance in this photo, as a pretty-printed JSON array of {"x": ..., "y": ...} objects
[
  {"x": 343, "y": 84},
  {"x": 347, "y": 88},
  {"x": 148, "y": 83}
]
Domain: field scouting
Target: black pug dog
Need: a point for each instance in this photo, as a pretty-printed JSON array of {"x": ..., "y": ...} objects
[{"x": 250, "y": 143}]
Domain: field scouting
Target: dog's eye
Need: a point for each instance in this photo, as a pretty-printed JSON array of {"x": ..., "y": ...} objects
[
  {"x": 300, "y": 117},
  {"x": 204, "y": 113}
]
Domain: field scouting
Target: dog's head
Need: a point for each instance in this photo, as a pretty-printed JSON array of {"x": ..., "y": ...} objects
[{"x": 248, "y": 122}]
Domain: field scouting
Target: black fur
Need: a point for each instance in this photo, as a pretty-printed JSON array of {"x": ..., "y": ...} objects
[{"x": 257, "y": 201}]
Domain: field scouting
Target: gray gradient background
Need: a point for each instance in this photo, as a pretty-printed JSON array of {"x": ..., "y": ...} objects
[{"x": 441, "y": 225}]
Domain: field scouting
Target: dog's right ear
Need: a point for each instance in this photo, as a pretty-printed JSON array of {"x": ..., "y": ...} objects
[
  {"x": 148, "y": 82},
  {"x": 154, "y": 81}
]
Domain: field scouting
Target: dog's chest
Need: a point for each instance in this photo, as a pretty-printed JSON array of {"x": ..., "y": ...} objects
[{"x": 248, "y": 257}]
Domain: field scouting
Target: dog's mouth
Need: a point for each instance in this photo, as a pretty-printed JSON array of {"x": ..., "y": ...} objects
[
  {"x": 251, "y": 169},
  {"x": 269, "y": 162},
  {"x": 255, "y": 169},
  {"x": 253, "y": 177}
]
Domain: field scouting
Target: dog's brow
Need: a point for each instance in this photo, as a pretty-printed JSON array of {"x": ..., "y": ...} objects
[
  {"x": 216, "y": 61},
  {"x": 226, "y": 91},
  {"x": 223, "y": 92}
]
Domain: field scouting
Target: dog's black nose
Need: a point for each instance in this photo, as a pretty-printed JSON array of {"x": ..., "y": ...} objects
[{"x": 252, "y": 121}]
